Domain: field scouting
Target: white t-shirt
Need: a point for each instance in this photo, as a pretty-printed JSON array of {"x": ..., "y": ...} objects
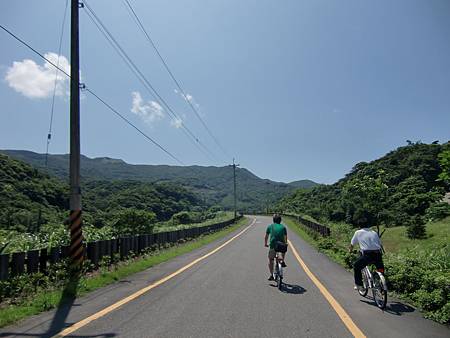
[{"x": 367, "y": 239}]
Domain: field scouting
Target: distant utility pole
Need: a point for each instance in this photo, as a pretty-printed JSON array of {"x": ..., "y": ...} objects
[
  {"x": 234, "y": 181},
  {"x": 76, "y": 236}
]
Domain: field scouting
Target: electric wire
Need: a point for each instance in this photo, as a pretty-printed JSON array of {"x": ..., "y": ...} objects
[
  {"x": 93, "y": 94},
  {"x": 49, "y": 135},
  {"x": 177, "y": 83},
  {"x": 134, "y": 126},
  {"x": 139, "y": 77},
  {"x": 142, "y": 78}
]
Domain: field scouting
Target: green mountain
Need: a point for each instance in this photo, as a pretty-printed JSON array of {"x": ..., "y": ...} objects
[
  {"x": 30, "y": 198},
  {"x": 214, "y": 184},
  {"x": 303, "y": 184},
  {"x": 404, "y": 187}
]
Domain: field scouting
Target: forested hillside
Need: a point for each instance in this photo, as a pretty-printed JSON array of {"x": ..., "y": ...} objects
[
  {"x": 213, "y": 184},
  {"x": 404, "y": 187},
  {"x": 28, "y": 197},
  {"x": 34, "y": 206}
]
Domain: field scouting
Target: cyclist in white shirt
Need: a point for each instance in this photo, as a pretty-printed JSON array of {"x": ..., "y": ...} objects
[{"x": 370, "y": 247}]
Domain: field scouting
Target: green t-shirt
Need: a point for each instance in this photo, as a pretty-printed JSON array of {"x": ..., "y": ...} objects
[{"x": 277, "y": 233}]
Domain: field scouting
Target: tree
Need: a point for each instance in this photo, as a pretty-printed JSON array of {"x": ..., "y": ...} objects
[
  {"x": 134, "y": 222},
  {"x": 416, "y": 230},
  {"x": 444, "y": 161}
]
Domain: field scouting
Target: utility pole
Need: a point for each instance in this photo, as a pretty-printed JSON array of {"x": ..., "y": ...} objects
[
  {"x": 75, "y": 221},
  {"x": 234, "y": 181}
]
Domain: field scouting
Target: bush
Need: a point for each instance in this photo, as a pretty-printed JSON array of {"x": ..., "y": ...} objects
[
  {"x": 215, "y": 209},
  {"x": 424, "y": 277},
  {"x": 186, "y": 217},
  {"x": 437, "y": 211},
  {"x": 134, "y": 222}
]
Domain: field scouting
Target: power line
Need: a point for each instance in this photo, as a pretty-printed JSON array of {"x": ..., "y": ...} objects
[
  {"x": 193, "y": 108},
  {"x": 93, "y": 93},
  {"x": 49, "y": 135},
  {"x": 142, "y": 78},
  {"x": 128, "y": 62},
  {"x": 134, "y": 126},
  {"x": 34, "y": 50}
]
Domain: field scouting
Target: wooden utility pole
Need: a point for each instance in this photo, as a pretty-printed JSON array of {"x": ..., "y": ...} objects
[
  {"x": 234, "y": 181},
  {"x": 76, "y": 235}
]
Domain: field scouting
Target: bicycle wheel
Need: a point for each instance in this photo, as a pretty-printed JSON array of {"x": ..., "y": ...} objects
[
  {"x": 280, "y": 283},
  {"x": 363, "y": 291},
  {"x": 279, "y": 273},
  {"x": 379, "y": 290}
]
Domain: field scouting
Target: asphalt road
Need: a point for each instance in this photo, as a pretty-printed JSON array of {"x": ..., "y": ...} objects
[{"x": 227, "y": 295}]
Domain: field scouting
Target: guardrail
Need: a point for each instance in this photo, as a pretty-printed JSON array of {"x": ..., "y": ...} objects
[
  {"x": 321, "y": 229},
  {"x": 33, "y": 261}
]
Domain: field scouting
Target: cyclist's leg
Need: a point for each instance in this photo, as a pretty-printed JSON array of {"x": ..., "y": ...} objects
[
  {"x": 378, "y": 261},
  {"x": 283, "y": 254},
  {"x": 271, "y": 257},
  {"x": 360, "y": 264}
]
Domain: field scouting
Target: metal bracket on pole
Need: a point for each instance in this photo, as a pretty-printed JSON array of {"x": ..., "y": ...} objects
[{"x": 80, "y": 4}]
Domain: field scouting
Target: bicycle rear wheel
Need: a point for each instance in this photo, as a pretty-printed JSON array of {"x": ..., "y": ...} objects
[
  {"x": 280, "y": 283},
  {"x": 379, "y": 290},
  {"x": 363, "y": 291},
  {"x": 280, "y": 276}
]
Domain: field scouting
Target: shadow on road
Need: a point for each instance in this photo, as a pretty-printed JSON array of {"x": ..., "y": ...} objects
[
  {"x": 398, "y": 309},
  {"x": 58, "y": 322},
  {"x": 290, "y": 288},
  {"x": 394, "y": 308}
]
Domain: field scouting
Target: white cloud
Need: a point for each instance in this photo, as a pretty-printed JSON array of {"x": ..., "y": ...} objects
[
  {"x": 36, "y": 81},
  {"x": 150, "y": 111},
  {"x": 188, "y": 97},
  {"x": 177, "y": 123}
]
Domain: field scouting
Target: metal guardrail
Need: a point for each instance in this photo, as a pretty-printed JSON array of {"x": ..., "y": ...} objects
[
  {"x": 321, "y": 229},
  {"x": 34, "y": 261}
]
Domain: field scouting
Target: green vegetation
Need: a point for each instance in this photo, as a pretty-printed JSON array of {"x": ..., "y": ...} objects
[
  {"x": 213, "y": 184},
  {"x": 403, "y": 188},
  {"x": 33, "y": 208},
  {"x": 401, "y": 193},
  {"x": 417, "y": 270},
  {"x": 202, "y": 219},
  {"x": 29, "y": 295}
]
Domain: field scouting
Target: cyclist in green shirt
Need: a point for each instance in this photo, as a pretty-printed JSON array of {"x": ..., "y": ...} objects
[{"x": 278, "y": 233}]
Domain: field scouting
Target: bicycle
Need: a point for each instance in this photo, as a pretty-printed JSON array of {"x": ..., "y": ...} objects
[
  {"x": 278, "y": 273},
  {"x": 374, "y": 279}
]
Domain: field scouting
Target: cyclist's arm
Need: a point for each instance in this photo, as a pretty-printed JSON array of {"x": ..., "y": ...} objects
[
  {"x": 352, "y": 243},
  {"x": 267, "y": 236},
  {"x": 285, "y": 235}
]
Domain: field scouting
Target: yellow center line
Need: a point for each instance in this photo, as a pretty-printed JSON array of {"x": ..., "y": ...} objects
[
  {"x": 343, "y": 315},
  {"x": 140, "y": 292}
]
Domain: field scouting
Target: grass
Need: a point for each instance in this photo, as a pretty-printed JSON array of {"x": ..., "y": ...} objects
[
  {"x": 293, "y": 225},
  {"x": 168, "y": 226},
  {"x": 438, "y": 234},
  {"x": 333, "y": 250},
  {"x": 45, "y": 300},
  {"x": 394, "y": 239}
]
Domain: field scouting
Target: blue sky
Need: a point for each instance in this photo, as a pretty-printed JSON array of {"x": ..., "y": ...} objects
[{"x": 292, "y": 89}]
